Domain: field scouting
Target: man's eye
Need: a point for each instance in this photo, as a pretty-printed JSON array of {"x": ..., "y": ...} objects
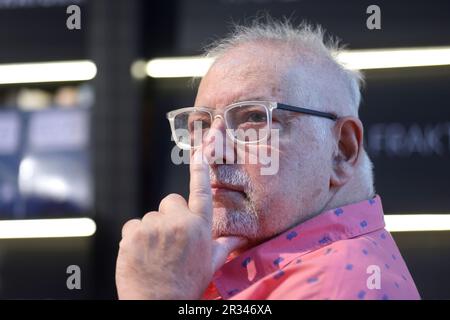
[
  {"x": 199, "y": 123},
  {"x": 255, "y": 117}
]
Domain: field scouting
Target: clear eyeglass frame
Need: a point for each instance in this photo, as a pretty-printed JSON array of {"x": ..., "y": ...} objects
[{"x": 268, "y": 105}]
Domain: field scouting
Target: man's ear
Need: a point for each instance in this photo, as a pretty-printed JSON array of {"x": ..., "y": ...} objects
[{"x": 348, "y": 132}]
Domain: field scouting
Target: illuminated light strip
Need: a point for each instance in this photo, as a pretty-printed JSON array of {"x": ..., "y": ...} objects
[
  {"x": 47, "y": 228},
  {"x": 85, "y": 227},
  {"x": 395, "y": 58},
  {"x": 178, "y": 67},
  {"x": 353, "y": 59},
  {"x": 417, "y": 222},
  {"x": 39, "y": 72}
]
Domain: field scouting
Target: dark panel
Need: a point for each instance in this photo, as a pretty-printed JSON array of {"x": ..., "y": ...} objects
[
  {"x": 404, "y": 23},
  {"x": 39, "y": 33},
  {"x": 113, "y": 45},
  {"x": 427, "y": 255},
  {"x": 407, "y": 128},
  {"x": 36, "y": 268}
]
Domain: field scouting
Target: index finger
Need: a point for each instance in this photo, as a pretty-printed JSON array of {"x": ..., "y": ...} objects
[{"x": 200, "y": 196}]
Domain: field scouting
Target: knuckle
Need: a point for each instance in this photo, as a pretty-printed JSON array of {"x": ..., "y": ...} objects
[
  {"x": 129, "y": 226},
  {"x": 149, "y": 216},
  {"x": 171, "y": 199},
  {"x": 175, "y": 197}
]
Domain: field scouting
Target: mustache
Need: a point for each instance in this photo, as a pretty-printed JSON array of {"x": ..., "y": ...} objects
[{"x": 231, "y": 174}]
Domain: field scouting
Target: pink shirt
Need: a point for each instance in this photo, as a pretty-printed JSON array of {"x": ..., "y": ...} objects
[{"x": 344, "y": 253}]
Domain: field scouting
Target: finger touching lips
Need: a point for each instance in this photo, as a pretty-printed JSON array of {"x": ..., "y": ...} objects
[{"x": 200, "y": 196}]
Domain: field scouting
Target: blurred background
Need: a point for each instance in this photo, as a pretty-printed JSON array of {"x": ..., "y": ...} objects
[{"x": 85, "y": 146}]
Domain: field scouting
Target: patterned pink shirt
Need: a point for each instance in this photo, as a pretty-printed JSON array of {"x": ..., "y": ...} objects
[{"x": 339, "y": 254}]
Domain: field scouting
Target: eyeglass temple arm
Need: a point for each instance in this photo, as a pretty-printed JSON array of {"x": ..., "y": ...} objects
[{"x": 307, "y": 111}]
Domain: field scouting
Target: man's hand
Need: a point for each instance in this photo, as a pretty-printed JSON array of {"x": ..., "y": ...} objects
[{"x": 170, "y": 253}]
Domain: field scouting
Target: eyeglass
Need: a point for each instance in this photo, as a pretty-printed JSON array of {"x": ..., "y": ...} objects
[{"x": 246, "y": 121}]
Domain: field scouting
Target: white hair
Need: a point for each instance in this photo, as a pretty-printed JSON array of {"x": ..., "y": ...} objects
[
  {"x": 322, "y": 51},
  {"x": 306, "y": 37}
]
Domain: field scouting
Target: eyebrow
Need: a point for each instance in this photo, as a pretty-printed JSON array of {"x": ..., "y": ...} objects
[
  {"x": 284, "y": 116},
  {"x": 250, "y": 98},
  {"x": 241, "y": 99}
]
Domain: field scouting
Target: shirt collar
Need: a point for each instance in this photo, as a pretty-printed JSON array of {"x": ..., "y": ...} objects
[{"x": 329, "y": 226}]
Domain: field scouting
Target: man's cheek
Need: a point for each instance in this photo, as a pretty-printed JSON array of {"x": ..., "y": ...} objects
[{"x": 267, "y": 163}]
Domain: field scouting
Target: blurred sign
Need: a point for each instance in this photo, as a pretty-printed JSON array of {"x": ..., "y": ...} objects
[
  {"x": 57, "y": 130},
  {"x": 404, "y": 140},
  {"x": 9, "y": 133},
  {"x": 406, "y": 116},
  {"x": 45, "y": 163}
]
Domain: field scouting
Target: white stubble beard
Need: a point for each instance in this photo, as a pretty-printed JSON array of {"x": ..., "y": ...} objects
[{"x": 231, "y": 221}]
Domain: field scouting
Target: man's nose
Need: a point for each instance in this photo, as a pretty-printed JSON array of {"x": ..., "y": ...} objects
[{"x": 217, "y": 146}]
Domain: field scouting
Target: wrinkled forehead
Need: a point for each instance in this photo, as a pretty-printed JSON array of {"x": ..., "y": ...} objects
[{"x": 243, "y": 74}]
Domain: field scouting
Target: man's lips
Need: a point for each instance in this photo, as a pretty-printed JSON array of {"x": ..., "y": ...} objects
[{"x": 221, "y": 187}]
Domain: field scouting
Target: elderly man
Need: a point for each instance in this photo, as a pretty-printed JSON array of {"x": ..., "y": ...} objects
[{"x": 312, "y": 230}]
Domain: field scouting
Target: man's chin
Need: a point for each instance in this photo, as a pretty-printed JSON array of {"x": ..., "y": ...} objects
[{"x": 227, "y": 223}]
